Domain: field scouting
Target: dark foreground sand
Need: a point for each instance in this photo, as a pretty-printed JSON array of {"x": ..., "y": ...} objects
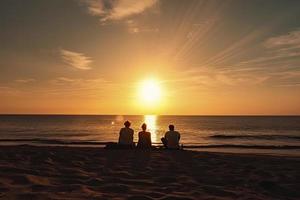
[{"x": 28, "y": 172}]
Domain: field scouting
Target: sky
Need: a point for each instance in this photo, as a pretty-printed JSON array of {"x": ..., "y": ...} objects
[{"x": 208, "y": 57}]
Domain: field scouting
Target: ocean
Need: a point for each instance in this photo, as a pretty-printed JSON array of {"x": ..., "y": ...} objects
[{"x": 258, "y": 134}]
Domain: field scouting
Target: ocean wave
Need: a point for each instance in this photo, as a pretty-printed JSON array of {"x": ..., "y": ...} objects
[
  {"x": 52, "y": 141},
  {"x": 265, "y": 137},
  {"x": 243, "y": 146},
  {"x": 185, "y": 145}
]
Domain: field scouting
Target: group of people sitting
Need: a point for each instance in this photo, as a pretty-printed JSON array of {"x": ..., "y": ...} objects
[{"x": 170, "y": 141}]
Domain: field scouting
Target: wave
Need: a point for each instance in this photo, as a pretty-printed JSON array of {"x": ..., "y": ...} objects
[
  {"x": 265, "y": 137},
  {"x": 51, "y": 141},
  {"x": 243, "y": 146},
  {"x": 185, "y": 145}
]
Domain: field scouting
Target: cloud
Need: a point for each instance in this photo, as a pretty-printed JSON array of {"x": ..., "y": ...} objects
[
  {"x": 276, "y": 65},
  {"x": 290, "y": 40},
  {"x": 76, "y": 60},
  {"x": 290, "y": 85},
  {"x": 77, "y": 81},
  {"x": 94, "y": 7},
  {"x": 134, "y": 27},
  {"x": 64, "y": 80},
  {"x": 206, "y": 78},
  {"x": 9, "y": 91},
  {"x": 28, "y": 80},
  {"x": 87, "y": 87},
  {"x": 280, "y": 50},
  {"x": 279, "y": 59},
  {"x": 284, "y": 46},
  {"x": 116, "y": 9}
]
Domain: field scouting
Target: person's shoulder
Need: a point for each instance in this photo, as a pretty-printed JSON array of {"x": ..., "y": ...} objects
[
  {"x": 130, "y": 129},
  {"x": 176, "y": 133},
  {"x": 168, "y": 133}
]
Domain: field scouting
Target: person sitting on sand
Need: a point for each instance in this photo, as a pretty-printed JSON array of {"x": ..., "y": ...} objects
[
  {"x": 126, "y": 136},
  {"x": 144, "y": 141},
  {"x": 171, "y": 139}
]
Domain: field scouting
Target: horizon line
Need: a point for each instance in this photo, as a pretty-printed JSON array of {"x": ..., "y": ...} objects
[{"x": 204, "y": 115}]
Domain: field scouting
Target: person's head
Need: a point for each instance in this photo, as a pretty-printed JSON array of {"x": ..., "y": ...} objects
[
  {"x": 171, "y": 127},
  {"x": 144, "y": 126},
  {"x": 127, "y": 124}
]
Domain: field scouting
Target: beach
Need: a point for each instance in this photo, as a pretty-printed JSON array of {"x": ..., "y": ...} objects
[{"x": 45, "y": 172}]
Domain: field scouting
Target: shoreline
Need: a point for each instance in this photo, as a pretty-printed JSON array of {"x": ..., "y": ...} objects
[
  {"x": 219, "y": 149},
  {"x": 60, "y": 172}
]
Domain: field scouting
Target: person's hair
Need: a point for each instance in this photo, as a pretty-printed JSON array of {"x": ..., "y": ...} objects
[
  {"x": 144, "y": 126},
  {"x": 171, "y": 127},
  {"x": 127, "y": 123}
]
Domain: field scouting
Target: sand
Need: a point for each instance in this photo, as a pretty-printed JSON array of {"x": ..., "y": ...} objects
[{"x": 28, "y": 172}]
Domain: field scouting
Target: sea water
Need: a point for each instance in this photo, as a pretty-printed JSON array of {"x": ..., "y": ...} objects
[{"x": 276, "y": 134}]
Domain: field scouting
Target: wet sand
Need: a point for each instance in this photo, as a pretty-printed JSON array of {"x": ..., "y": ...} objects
[{"x": 28, "y": 172}]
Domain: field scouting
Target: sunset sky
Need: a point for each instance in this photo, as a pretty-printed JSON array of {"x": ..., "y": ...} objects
[{"x": 206, "y": 57}]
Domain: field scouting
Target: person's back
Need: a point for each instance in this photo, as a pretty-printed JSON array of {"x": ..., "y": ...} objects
[
  {"x": 144, "y": 141},
  {"x": 171, "y": 139},
  {"x": 126, "y": 135}
]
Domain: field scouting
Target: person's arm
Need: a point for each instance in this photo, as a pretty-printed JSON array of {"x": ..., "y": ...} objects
[
  {"x": 139, "y": 136},
  {"x": 120, "y": 135},
  {"x": 178, "y": 136},
  {"x": 166, "y": 135},
  {"x": 132, "y": 133}
]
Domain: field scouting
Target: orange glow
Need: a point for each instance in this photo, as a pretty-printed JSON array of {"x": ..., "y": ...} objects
[
  {"x": 150, "y": 120},
  {"x": 167, "y": 58},
  {"x": 150, "y": 92}
]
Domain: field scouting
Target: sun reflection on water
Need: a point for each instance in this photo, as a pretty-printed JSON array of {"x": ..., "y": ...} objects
[{"x": 150, "y": 120}]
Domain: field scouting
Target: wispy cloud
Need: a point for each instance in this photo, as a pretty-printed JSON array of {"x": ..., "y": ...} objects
[
  {"x": 279, "y": 59},
  {"x": 116, "y": 9},
  {"x": 75, "y": 59},
  {"x": 277, "y": 65},
  {"x": 284, "y": 46},
  {"x": 91, "y": 87},
  {"x": 66, "y": 86},
  {"x": 291, "y": 40},
  {"x": 279, "y": 50},
  {"x": 9, "y": 91},
  {"x": 28, "y": 80},
  {"x": 290, "y": 85},
  {"x": 77, "y": 81},
  {"x": 134, "y": 27},
  {"x": 206, "y": 78}
]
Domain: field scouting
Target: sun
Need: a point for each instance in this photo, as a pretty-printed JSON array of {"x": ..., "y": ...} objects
[{"x": 150, "y": 92}]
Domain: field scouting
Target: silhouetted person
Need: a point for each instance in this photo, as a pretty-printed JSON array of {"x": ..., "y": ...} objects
[
  {"x": 126, "y": 136},
  {"x": 171, "y": 139},
  {"x": 144, "y": 138}
]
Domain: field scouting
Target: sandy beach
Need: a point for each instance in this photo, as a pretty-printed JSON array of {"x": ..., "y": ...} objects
[{"x": 28, "y": 172}]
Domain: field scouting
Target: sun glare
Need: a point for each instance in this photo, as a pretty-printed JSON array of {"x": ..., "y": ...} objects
[
  {"x": 150, "y": 120},
  {"x": 150, "y": 92}
]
